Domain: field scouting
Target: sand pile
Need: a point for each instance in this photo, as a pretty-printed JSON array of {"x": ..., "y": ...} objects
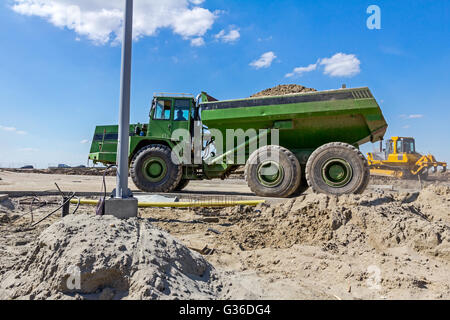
[
  {"x": 283, "y": 90},
  {"x": 116, "y": 259},
  {"x": 6, "y": 206},
  {"x": 434, "y": 203},
  {"x": 362, "y": 222}
]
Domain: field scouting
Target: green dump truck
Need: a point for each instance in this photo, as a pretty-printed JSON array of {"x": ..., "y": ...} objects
[{"x": 287, "y": 143}]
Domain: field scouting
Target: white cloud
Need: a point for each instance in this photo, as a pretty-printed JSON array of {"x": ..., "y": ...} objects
[
  {"x": 301, "y": 70},
  {"x": 7, "y": 128},
  {"x": 264, "y": 61},
  {"x": 392, "y": 51},
  {"x": 12, "y": 129},
  {"x": 197, "y": 42},
  {"x": 411, "y": 116},
  {"x": 28, "y": 150},
  {"x": 265, "y": 39},
  {"x": 231, "y": 36},
  {"x": 341, "y": 65},
  {"x": 101, "y": 20},
  {"x": 84, "y": 141}
]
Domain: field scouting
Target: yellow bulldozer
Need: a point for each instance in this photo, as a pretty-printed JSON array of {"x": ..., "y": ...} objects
[{"x": 400, "y": 160}]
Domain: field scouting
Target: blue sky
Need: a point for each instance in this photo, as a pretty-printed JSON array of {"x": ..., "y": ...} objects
[{"x": 59, "y": 76}]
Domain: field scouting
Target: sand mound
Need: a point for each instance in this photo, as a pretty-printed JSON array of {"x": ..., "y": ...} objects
[
  {"x": 434, "y": 202},
  {"x": 365, "y": 223},
  {"x": 117, "y": 259},
  {"x": 283, "y": 90}
]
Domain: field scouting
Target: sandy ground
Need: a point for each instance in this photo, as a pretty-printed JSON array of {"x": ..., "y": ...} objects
[
  {"x": 34, "y": 182},
  {"x": 386, "y": 244},
  {"x": 277, "y": 258}
]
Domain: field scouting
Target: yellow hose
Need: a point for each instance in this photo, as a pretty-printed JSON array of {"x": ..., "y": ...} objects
[{"x": 209, "y": 204}]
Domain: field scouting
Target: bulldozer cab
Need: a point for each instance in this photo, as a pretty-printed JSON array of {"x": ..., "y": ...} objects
[{"x": 398, "y": 145}]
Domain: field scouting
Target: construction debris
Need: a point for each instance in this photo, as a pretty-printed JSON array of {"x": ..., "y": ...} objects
[{"x": 214, "y": 231}]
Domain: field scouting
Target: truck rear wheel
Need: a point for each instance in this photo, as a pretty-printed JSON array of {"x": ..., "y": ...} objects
[
  {"x": 153, "y": 170},
  {"x": 183, "y": 184},
  {"x": 273, "y": 171},
  {"x": 337, "y": 168}
]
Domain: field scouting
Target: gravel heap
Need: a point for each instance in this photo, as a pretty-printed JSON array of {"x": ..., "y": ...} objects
[{"x": 283, "y": 89}]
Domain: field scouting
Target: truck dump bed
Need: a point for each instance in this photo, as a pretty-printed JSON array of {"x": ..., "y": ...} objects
[{"x": 306, "y": 120}]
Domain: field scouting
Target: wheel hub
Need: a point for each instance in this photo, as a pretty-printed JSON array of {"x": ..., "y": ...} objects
[
  {"x": 270, "y": 173},
  {"x": 337, "y": 172},
  {"x": 154, "y": 169}
]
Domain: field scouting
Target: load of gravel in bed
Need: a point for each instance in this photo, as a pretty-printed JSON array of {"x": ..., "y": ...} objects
[{"x": 283, "y": 89}]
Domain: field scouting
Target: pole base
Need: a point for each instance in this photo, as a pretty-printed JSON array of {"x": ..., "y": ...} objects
[{"x": 121, "y": 208}]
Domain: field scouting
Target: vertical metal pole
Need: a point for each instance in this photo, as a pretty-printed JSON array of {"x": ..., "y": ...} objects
[{"x": 124, "y": 113}]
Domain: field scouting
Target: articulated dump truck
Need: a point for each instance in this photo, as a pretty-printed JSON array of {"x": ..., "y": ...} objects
[{"x": 312, "y": 140}]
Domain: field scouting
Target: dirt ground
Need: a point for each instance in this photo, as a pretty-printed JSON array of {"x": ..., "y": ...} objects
[{"x": 384, "y": 244}]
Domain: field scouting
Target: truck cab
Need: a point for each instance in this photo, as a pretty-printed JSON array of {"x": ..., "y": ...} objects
[{"x": 170, "y": 112}]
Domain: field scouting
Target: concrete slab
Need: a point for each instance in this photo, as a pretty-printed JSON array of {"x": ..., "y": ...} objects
[
  {"x": 122, "y": 208},
  {"x": 155, "y": 198}
]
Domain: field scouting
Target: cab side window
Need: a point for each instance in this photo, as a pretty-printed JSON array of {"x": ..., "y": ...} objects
[
  {"x": 400, "y": 146},
  {"x": 181, "y": 110},
  {"x": 409, "y": 147},
  {"x": 390, "y": 147},
  {"x": 162, "y": 110}
]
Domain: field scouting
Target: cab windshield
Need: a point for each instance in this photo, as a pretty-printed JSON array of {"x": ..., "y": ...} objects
[
  {"x": 406, "y": 146},
  {"x": 409, "y": 146}
]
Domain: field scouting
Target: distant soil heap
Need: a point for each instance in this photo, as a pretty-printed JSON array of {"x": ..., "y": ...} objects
[{"x": 283, "y": 89}]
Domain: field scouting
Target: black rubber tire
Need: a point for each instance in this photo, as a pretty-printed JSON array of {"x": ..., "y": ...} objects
[
  {"x": 361, "y": 172},
  {"x": 183, "y": 184},
  {"x": 303, "y": 184},
  {"x": 287, "y": 160},
  {"x": 174, "y": 171}
]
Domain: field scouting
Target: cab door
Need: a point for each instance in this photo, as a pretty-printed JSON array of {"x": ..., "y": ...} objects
[
  {"x": 181, "y": 117},
  {"x": 161, "y": 119}
]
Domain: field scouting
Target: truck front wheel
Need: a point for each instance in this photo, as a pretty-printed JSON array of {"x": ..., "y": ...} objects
[
  {"x": 183, "y": 184},
  {"x": 153, "y": 170},
  {"x": 337, "y": 168},
  {"x": 273, "y": 171}
]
